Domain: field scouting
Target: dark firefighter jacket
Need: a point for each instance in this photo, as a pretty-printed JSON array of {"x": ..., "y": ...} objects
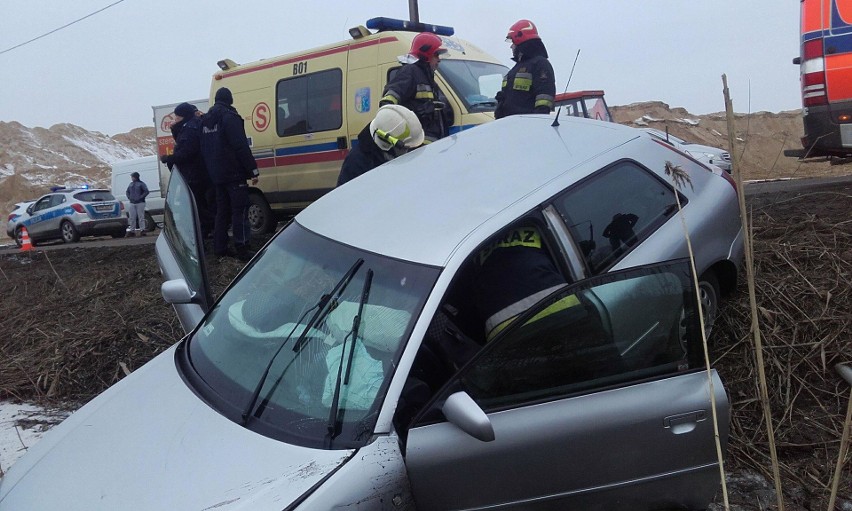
[
  {"x": 363, "y": 157},
  {"x": 530, "y": 86},
  {"x": 224, "y": 147},
  {"x": 413, "y": 87}
]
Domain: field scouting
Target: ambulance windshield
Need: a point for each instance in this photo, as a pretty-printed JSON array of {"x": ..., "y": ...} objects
[{"x": 475, "y": 83}]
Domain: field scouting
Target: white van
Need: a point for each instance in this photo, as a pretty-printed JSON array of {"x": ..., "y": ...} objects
[{"x": 148, "y": 174}]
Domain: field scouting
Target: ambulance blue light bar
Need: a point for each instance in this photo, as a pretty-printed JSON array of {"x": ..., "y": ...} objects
[{"x": 384, "y": 24}]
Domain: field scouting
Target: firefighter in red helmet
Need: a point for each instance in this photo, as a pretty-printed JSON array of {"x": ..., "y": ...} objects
[
  {"x": 413, "y": 86},
  {"x": 530, "y": 86}
]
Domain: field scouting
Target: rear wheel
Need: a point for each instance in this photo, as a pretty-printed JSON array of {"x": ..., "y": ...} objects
[
  {"x": 150, "y": 224},
  {"x": 19, "y": 235},
  {"x": 709, "y": 293},
  {"x": 69, "y": 232},
  {"x": 260, "y": 214}
]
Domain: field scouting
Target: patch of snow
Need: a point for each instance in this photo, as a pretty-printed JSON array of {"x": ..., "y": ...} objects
[
  {"x": 740, "y": 139},
  {"x": 691, "y": 122},
  {"x": 651, "y": 119},
  {"x": 640, "y": 122},
  {"x": 716, "y": 133},
  {"x": 21, "y": 426},
  {"x": 7, "y": 170}
]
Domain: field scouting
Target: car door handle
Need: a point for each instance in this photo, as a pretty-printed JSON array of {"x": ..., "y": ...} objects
[{"x": 684, "y": 422}]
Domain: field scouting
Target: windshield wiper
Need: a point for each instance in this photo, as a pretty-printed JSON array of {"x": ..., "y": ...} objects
[
  {"x": 334, "y": 423},
  {"x": 319, "y": 306}
]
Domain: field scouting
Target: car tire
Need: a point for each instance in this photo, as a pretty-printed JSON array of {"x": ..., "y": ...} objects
[
  {"x": 68, "y": 232},
  {"x": 261, "y": 218},
  {"x": 709, "y": 293},
  {"x": 150, "y": 224},
  {"x": 18, "y": 235}
]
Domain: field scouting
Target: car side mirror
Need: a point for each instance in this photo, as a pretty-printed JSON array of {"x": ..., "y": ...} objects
[
  {"x": 797, "y": 60},
  {"x": 462, "y": 411},
  {"x": 177, "y": 291}
]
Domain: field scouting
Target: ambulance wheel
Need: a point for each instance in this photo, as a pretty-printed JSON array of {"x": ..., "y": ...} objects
[
  {"x": 69, "y": 232},
  {"x": 260, "y": 214}
]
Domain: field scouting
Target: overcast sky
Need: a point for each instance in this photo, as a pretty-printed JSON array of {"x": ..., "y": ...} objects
[{"x": 105, "y": 72}]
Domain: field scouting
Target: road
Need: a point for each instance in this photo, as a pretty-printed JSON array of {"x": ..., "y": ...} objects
[{"x": 752, "y": 189}]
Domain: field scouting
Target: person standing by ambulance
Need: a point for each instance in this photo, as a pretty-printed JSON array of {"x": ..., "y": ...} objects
[
  {"x": 187, "y": 156},
  {"x": 530, "y": 86},
  {"x": 230, "y": 163},
  {"x": 413, "y": 86}
]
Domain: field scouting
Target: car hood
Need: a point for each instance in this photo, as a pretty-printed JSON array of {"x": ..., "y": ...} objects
[{"x": 149, "y": 443}]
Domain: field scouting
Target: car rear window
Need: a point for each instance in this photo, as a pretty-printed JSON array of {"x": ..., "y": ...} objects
[{"x": 94, "y": 196}]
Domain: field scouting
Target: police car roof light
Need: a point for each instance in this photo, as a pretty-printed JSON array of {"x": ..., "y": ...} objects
[{"x": 382, "y": 24}]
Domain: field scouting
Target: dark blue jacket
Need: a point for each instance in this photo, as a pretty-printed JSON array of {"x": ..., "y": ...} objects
[
  {"x": 530, "y": 86},
  {"x": 187, "y": 153},
  {"x": 136, "y": 192},
  {"x": 363, "y": 157},
  {"x": 224, "y": 146}
]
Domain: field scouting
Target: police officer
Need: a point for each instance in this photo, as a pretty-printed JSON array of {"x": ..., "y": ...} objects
[
  {"x": 414, "y": 86},
  {"x": 530, "y": 86},
  {"x": 230, "y": 163},
  {"x": 394, "y": 130},
  {"x": 187, "y": 156}
]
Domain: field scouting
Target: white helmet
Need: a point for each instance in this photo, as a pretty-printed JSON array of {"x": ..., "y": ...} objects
[{"x": 396, "y": 126}]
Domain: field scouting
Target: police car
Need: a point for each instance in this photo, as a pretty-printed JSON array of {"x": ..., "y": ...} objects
[
  {"x": 346, "y": 366},
  {"x": 68, "y": 214}
]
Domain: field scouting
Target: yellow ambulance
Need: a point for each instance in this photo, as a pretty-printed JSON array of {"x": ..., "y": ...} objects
[{"x": 303, "y": 111}]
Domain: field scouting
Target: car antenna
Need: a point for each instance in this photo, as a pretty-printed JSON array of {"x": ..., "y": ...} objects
[{"x": 556, "y": 121}]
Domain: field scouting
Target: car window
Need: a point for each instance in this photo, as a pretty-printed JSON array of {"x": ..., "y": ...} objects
[
  {"x": 56, "y": 200},
  {"x": 614, "y": 210},
  {"x": 309, "y": 103},
  {"x": 610, "y": 330},
  {"x": 42, "y": 203},
  {"x": 179, "y": 227},
  {"x": 94, "y": 196}
]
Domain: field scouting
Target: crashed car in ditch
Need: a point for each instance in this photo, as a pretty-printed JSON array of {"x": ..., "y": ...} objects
[{"x": 346, "y": 365}]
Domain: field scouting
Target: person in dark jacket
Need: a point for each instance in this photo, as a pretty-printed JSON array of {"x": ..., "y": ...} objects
[
  {"x": 230, "y": 163},
  {"x": 394, "y": 131},
  {"x": 136, "y": 192},
  {"x": 186, "y": 132},
  {"x": 413, "y": 86},
  {"x": 530, "y": 86}
]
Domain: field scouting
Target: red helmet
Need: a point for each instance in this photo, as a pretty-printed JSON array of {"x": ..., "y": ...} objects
[
  {"x": 522, "y": 31},
  {"x": 425, "y": 45}
]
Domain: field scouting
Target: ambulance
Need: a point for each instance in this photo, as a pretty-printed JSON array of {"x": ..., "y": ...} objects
[
  {"x": 303, "y": 111},
  {"x": 826, "y": 77}
]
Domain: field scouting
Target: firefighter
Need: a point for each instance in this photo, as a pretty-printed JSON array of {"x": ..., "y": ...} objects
[
  {"x": 530, "y": 86},
  {"x": 394, "y": 131},
  {"x": 414, "y": 86},
  {"x": 514, "y": 272}
]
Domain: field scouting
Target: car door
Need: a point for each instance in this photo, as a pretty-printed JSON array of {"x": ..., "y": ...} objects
[
  {"x": 39, "y": 224},
  {"x": 180, "y": 254},
  {"x": 571, "y": 420}
]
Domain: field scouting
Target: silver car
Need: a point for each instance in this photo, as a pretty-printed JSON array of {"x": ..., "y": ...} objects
[
  {"x": 343, "y": 369},
  {"x": 68, "y": 214},
  {"x": 703, "y": 153}
]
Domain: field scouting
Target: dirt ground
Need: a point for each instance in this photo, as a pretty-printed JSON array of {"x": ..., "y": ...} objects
[{"x": 76, "y": 321}]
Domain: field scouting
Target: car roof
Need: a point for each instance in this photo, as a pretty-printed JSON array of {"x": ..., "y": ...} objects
[{"x": 421, "y": 206}]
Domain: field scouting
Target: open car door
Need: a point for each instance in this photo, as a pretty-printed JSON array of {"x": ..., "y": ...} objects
[
  {"x": 595, "y": 398},
  {"x": 180, "y": 253}
]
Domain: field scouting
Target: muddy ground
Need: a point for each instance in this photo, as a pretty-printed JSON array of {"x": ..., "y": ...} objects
[{"x": 73, "y": 322}]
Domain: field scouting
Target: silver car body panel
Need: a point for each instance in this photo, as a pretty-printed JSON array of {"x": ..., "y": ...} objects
[
  {"x": 564, "y": 431},
  {"x": 187, "y": 456}
]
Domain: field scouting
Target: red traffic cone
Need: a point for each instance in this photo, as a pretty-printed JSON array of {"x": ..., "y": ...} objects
[{"x": 26, "y": 244}]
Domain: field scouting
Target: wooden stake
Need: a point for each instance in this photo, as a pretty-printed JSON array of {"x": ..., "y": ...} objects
[{"x": 755, "y": 326}]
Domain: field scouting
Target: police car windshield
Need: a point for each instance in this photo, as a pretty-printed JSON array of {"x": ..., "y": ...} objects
[
  {"x": 476, "y": 83},
  {"x": 272, "y": 303}
]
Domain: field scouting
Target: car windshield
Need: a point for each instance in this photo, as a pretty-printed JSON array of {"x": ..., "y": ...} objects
[
  {"x": 302, "y": 346},
  {"x": 475, "y": 83}
]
